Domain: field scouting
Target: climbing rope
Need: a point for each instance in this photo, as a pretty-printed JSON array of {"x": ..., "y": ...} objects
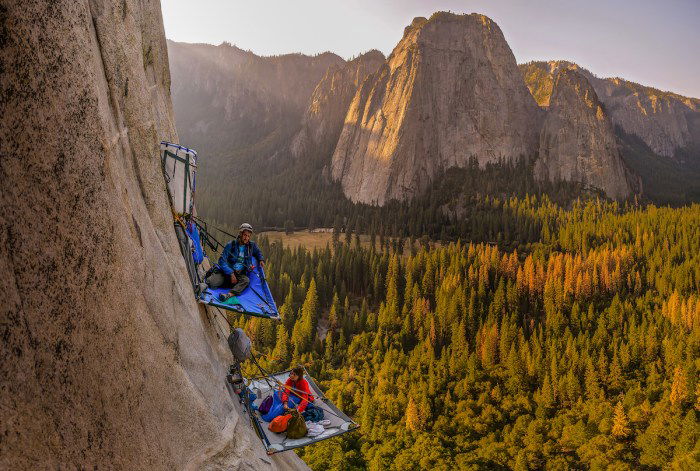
[
  {"x": 218, "y": 325},
  {"x": 213, "y": 226},
  {"x": 207, "y": 238}
]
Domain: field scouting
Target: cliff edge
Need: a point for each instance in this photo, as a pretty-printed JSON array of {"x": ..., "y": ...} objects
[{"x": 107, "y": 361}]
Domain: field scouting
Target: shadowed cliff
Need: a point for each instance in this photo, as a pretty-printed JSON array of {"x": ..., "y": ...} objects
[{"x": 107, "y": 361}]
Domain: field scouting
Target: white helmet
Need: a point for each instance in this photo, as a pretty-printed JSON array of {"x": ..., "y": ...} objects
[{"x": 245, "y": 227}]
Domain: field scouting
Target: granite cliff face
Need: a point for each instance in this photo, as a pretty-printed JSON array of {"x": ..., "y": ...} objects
[
  {"x": 577, "y": 142},
  {"x": 450, "y": 90},
  {"x": 325, "y": 114},
  {"x": 107, "y": 361},
  {"x": 665, "y": 121}
]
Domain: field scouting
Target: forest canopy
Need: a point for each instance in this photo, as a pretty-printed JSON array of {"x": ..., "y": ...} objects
[{"x": 578, "y": 348}]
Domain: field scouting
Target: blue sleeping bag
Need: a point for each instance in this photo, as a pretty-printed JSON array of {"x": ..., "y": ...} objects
[
  {"x": 277, "y": 407},
  {"x": 193, "y": 233}
]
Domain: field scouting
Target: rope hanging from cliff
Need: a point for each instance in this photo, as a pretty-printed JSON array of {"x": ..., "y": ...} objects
[
  {"x": 225, "y": 318},
  {"x": 218, "y": 325},
  {"x": 207, "y": 238},
  {"x": 201, "y": 221},
  {"x": 265, "y": 375}
]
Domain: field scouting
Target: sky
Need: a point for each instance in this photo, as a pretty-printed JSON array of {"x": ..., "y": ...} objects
[{"x": 652, "y": 42}]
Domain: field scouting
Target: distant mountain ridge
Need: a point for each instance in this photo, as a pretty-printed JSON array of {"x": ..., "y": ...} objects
[
  {"x": 665, "y": 121},
  {"x": 231, "y": 100},
  {"x": 451, "y": 91}
]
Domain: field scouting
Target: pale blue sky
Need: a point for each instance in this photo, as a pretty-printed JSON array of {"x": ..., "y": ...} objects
[{"x": 652, "y": 42}]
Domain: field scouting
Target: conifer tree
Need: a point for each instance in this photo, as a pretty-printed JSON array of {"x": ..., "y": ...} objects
[
  {"x": 679, "y": 387},
  {"x": 620, "y": 427},
  {"x": 334, "y": 315},
  {"x": 328, "y": 351},
  {"x": 280, "y": 354},
  {"x": 591, "y": 379},
  {"x": 287, "y": 312},
  {"x": 413, "y": 420},
  {"x": 615, "y": 378},
  {"x": 367, "y": 409}
]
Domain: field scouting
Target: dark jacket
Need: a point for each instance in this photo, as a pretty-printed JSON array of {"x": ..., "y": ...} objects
[{"x": 230, "y": 254}]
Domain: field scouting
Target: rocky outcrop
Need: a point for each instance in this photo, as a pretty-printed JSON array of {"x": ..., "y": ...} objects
[
  {"x": 577, "y": 142},
  {"x": 325, "y": 114},
  {"x": 665, "y": 121},
  {"x": 107, "y": 361},
  {"x": 230, "y": 102},
  {"x": 450, "y": 90}
]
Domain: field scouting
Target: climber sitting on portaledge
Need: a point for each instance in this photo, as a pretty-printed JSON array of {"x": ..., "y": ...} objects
[{"x": 235, "y": 262}]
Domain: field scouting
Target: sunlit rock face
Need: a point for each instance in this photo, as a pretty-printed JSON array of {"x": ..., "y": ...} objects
[
  {"x": 107, "y": 361},
  {"x": 450, "y": 90},
  {"x": 325, "y": 114},
  {"x": 665, "y": 121},
  {"x": 577, "y": 141}
]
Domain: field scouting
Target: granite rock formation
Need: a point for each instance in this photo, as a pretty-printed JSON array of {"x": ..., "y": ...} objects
[
  {"x": 450, "y": 90},
  {"x": 577, "y": 141},
  {"x": 665, "y": 121},
  {"x": 107, "y": 361},
  {"x": 325, "y": 114}
]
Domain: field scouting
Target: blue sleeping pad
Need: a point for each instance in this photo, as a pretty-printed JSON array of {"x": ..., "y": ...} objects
[{"x": 255, "y": 300}]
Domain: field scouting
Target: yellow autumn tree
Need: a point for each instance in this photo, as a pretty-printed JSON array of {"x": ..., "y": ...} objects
[
  {"x": 413, "y": 420},
  {"x": 620, "y": 428},
  {"x": 679, "y": 388}
]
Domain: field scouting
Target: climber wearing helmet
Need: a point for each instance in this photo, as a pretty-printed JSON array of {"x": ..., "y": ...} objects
[{"x": 235, "y": 262}]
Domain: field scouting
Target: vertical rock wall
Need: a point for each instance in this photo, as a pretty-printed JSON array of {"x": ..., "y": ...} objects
[
  {"x": 577, "y": 142},
  {"x": 450, "y": 90},
  {"x": 328, "y": 104},
  {"x": 107, "y": 361}
]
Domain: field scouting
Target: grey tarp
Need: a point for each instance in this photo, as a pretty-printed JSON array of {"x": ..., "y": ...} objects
[
  {"x": 179, "y": 168},
  {"x": 276, "y": 442}
]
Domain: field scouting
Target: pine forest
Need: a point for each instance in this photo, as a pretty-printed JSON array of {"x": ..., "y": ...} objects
[{"x": 578, "y": 349}]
